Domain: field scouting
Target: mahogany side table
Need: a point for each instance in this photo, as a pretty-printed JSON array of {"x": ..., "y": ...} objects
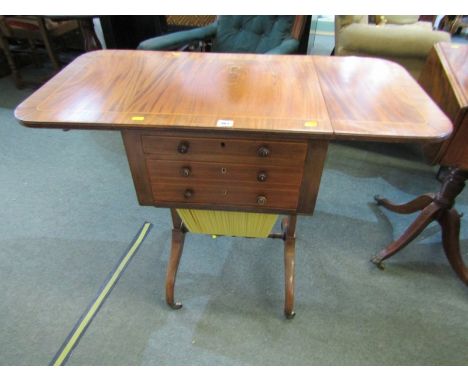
[
  {"x": 445, "y": 79},
  {"x": 233, "y": 132}
]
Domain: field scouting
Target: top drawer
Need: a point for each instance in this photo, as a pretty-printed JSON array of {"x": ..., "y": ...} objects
[{"x": 226, "y": 150}]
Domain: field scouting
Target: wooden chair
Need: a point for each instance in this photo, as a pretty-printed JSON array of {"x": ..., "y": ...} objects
[
  {"x": 31, "y": 30},
  {"x": 453, "y": 24}
]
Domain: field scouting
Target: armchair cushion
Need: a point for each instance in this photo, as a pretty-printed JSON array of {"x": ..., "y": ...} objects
[
  {"x": 286, "y": 47},
  {"x": 401, "y": 19},
  {"x": 345, "y": 20},
  {"x": 254, "y": 34},
  {"x": 177, "y": 39}
]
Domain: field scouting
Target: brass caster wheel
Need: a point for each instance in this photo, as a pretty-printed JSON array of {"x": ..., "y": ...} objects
[
  {"x": 290, "y": 316},
  {"x": 176, "y": 306},
  {"x": 377, "y": 260},
  {"x": 378, "y": 199}
]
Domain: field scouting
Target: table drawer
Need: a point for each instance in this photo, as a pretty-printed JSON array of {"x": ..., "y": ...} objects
[
  {"x": 224, "y": 172},
  {"x": 218, "y": 195},
  {"x": 224, "y": 150}
]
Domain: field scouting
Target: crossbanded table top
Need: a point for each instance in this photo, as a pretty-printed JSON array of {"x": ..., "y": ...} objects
[{"x": 327, "y": 97}]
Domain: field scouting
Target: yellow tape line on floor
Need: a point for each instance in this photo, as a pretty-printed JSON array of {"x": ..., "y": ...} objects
[{"x": 82, "y": 324}]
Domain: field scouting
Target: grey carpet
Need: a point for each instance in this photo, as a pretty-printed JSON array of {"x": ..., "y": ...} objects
[{"x": 68, "y": 211}]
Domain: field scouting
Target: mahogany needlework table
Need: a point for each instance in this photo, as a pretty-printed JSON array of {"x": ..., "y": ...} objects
[{"x": 234, "y": 132}]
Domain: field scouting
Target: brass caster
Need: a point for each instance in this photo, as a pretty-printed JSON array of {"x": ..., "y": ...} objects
[
  {"x": 290, "y": 316},
  {"x": 377, "y": 260},
  {"x": 378, "y": 199},
  {"x": 176, "y": 306}
]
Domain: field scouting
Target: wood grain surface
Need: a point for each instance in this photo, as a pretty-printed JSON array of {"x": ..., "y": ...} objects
[
  {"x": 455, "y": 59},
  {"x": 327, "y": 97},
  {"x": 370, "y": 98},
  {"x": 178, "y": 89},
  {"x": 445, "y": 79}
]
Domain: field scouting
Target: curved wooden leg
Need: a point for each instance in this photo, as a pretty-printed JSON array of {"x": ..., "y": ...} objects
[
  {"x": 450, "y": 224},
  {"x": 289, "y": 256},
  {"x": 288, "y": 226},
  {"x": 421, "y": 222},
  {"x": 414, "y": 205},
  {"x": 178, "y": 238}
]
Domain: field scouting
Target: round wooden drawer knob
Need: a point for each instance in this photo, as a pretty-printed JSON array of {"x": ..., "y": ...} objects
[
  {"x": 183, "y": 147},
  {"x": 263, "y": 151},
  {"x": 188, "y": 193},
  {"x": 185, "y": 171},
  {"x": 262, "y": 176},
  {"x": 261, "y": 200}
]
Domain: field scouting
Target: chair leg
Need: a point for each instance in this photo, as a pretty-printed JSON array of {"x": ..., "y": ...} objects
[
  {"x": 48, "y": 44},
  {"x": 34, "y": 55},
  {"x": 455, "y": 25},
  {"x": 5, "y": 46},
  {"x": 90, "y": 39}
]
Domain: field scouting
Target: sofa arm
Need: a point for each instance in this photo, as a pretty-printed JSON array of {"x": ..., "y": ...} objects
[
  {"x": 389, "y": 40},
  {"x": 286, "y": 47},
  {"x": 177, "y": 39}
]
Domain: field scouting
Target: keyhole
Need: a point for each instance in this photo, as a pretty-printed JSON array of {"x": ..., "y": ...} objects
[
  {"x": 223, "y": 144},
  {"x": 223, "y": 170}
]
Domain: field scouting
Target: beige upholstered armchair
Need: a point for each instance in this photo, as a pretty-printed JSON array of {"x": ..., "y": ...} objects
[{"x": 402, "y": 39}]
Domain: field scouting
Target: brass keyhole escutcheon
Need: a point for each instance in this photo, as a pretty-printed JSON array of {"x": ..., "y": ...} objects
[
  {"x": 262, "y": 176},
  {"x": 185, "y": 171},
  {"x": 223, "y": 170},
  {"x": 261, "y": 200},
  {"x": 183, "y": 147}
]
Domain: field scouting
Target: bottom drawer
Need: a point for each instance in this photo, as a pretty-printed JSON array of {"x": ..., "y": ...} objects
[{"x": 219, "y": 195}]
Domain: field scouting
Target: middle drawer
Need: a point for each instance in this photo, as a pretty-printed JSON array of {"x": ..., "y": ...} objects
[{"x": 224, "y": 172}]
